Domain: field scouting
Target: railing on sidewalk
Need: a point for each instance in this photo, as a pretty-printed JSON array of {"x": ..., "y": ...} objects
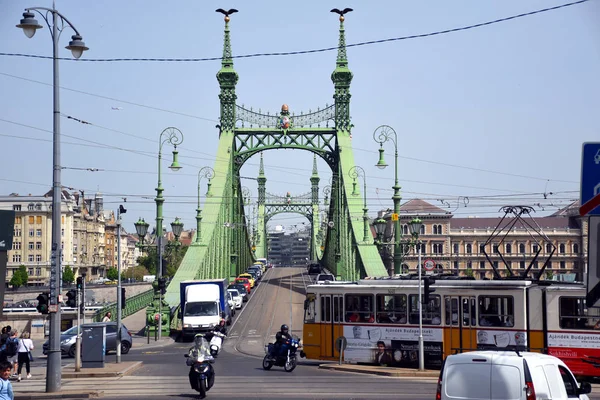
[{"x": 132, "y": 305}]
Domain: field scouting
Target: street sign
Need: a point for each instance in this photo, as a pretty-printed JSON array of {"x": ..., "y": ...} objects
[
  {"x": 429, "y": 265},
  {"x": 53, "y": 308},
  {"x": 394, "y": 217},
  {"x": 590, "y": 177},
  {"x": 593, "y": 272}
]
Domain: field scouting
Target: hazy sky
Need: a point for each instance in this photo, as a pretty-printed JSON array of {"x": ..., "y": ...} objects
[{"x": 500, "y": 110}]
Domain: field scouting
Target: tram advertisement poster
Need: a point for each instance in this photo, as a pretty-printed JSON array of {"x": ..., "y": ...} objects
[
  {"x": 579, "y": 350},
  {"x": 401, "y": 345},
  {"x": 498, "y": 338}
]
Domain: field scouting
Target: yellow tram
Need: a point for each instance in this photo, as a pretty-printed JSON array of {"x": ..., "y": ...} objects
[{"x": 460, "y": 315}]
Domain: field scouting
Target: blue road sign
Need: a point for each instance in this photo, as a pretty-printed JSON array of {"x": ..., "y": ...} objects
[{"x": 590, "y": 174}]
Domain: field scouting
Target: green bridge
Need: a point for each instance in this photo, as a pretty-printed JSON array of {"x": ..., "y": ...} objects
[{"x": 223, "y": 246}]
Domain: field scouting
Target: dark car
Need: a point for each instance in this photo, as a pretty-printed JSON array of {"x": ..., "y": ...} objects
[
  {"x": 68, "y": 337},
  {"x": 314, "y": 269},
  {"x": 240, "y": 288}
]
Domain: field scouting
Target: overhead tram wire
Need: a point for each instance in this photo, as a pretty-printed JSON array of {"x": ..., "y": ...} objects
[{"x": 320, "y": 50}]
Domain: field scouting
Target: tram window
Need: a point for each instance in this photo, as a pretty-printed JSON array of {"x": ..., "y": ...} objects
[
  {"x": 496, "y": 311},
  {"x": 325, "y": 308},
  {"x": 574, "y": 314},
  {"x": 391, "y": 309},
  {"x": 469, "y": 312},
  {"x": 359, "y": 308},
  {"x": 309, "y": 309},
  {"x": 432, "y": 311},
  {"x": 338, "y": 309},
  {"x": 451, "y": 304}
]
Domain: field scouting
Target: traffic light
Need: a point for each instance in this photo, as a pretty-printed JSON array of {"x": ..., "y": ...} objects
[
  {"x": 122, "y": 298},
  {"x": 162, "y": 285},
  {"x": 72, "y": 298},
  {"x": 79, "y": 283},
  {"x": 42, "y": 306},
  {"x": 427, "y": 281}
]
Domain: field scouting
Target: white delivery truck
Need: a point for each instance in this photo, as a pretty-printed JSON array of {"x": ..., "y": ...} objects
[{"x": 203, "y": 304}]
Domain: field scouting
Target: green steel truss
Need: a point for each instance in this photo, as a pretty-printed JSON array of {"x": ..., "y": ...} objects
[{"x": 226, "y": 247}]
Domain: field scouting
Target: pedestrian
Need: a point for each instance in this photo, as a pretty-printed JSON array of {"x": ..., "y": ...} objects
[
  {"x": 107, "y": 317},
  {"x": 25, "y": 347},
  {"x": 6, "y": 392},
  {"x": 13, "y": 358}
]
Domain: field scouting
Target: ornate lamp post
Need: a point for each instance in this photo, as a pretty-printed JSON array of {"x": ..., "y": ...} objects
[
  {"x": 141, "y": 228},
  {"x": 381, "y": 135},
  {"x": 415, "y": 229},
  {"x": 354, "y": 173},
  {"x": 209, "y": 173},
  {"x": 177, "y": 228},
  {"x": 29, "y": 25},
  {"x": 174, "y": 137}
]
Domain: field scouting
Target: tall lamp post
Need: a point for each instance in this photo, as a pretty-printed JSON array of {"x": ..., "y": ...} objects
[
  {"x": 381, "y": 135},
  {"x": 120, "y": 299},
  {"x": 174, "y": 137},
  {"x": 354, "y": 173},
  {"x": 29, "y": 25},
  {"x": 415, "y": 229},
  {"x": 209, "y": 173}
]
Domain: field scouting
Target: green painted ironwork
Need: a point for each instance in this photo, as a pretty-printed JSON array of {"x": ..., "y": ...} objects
[
  {"x": 225, "y": 241},
  {"x": 132, "y": 305}
]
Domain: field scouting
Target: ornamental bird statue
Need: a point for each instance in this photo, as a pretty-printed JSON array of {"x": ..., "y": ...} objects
[
  {"x": 344, "y": 11},
  {"x": 226, "y": 13}
]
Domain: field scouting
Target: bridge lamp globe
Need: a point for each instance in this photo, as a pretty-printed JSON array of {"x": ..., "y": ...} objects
[
  {"x": 381, "y": 164},
  {"x": 29, "y": 24},
  {"x": 177, "y": 227},
  {"x": 379, "y": 225},
  {"x": 175, "y": 166},
  {"x": 415, "y": 226},
  {"x": 141, "y": 228}
]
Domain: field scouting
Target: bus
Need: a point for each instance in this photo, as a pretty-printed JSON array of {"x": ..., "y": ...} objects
[{"x": 462, "y": 314}]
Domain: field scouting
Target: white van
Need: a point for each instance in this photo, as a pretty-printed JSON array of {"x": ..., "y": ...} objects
[{"x": 507, "y": 375}]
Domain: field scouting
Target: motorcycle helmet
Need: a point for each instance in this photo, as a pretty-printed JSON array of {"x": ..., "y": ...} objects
[{"x": 284, "y": 328}]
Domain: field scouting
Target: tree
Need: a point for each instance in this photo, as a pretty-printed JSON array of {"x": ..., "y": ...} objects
[
  {"x": 149, "y": 260},
  {"x": 137, "y": 273},
  {"x": 469, "y": 272},
  {"x": 549, "y": 275},
  {"x": 112, "y": 273},
  {"x": 68, "y": 276},
  {"x": 20, "y": 277}
]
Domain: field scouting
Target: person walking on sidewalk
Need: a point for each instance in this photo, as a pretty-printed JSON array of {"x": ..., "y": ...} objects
[
  {"x": 107, "y": 317},
  {"x": 25, "y": 347},
  {"x": 6, "y": 392}
]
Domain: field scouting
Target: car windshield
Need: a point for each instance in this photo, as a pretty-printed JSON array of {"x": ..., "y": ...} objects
[
  {"x": 200, "y": 309},
  {"x": 326, "y": 278},
  {"x": 234, "y": 292},
  {"x": 239, "y": 288},
  {"x": 71, "y": 331}
]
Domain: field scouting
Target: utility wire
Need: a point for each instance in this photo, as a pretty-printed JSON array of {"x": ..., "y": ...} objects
[{"x": 321, "y": 50}]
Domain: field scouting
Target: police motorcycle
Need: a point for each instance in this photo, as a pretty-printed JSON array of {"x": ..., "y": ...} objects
[
  {"x": 286, "y": 356},
  {"x": 199, "y": 359}
]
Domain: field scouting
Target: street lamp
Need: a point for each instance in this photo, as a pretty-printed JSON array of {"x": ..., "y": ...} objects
[
  {"x": 379, "y": 224},
  {"x": 177, "y": 228},
  {"x": 381, "y": 135},
  {"x": 415, "y": 229},
  {"x": 209, "y": 173},
  {"x": 354, "y": 173},
  {"x": 174, "y": 137},
  {"x": 29, "y": 25}
]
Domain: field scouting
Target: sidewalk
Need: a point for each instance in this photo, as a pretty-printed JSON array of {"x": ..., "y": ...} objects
[{"x": 381, "y": 371}]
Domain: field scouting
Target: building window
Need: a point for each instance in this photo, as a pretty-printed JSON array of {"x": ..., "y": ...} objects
[
  {"x": 16, "y": 258},
  {"x": 496, "y": 264},
  {"x": 548, "y": 248},
  {"x": 38, "y": 245},
  {"x": 38, "y": 232},
  {"x": 31, "y": 233},
  {"x": 30, "y": 245},
  {"x": 16, "y": 207},
  {"x": 31, "y": 207},
  {"x": 437, "y": 229},
  {"x": 563, "y": 265},
  {"x": 522, "y": 264},
  {"x": 535, "y": 248},
  {"x": 38, "y": 220},
  {"x": 508, "y": 248},
  {"x": 17, "y": 232},
  {"x": 18, "y": 220},
  {"x": 74, "y": 248},
  {"x": 456, "y": 265},
  {"x": 481, "y": 248},
  {"x": 29, "y": 271},
  {"x": 522, "y": 248},
  {"x": 422, "y": 230},
  {"x": 549, "y": 265},
  {"x": 469, "y": 265},
  {"x": 16, "y": 246},
  {"x": 495, "y": 248},
  {"x": 535, "y": 265},
  {"x": 405, "y": 229},
  {"x": 438, "y": 248},
  {"x": 561, "y": 248},
  {"x": 38, "y": 257},
  {"x": 481, "y": 264},
  {"x": 575, "y": 248},
  {"x": 31, "y": 219},
  {"x": 62, "y": 220},
  {"x": 455, "y": 248},
  {"x": 38, "y": 272},
  {"x": 482, "y": 275},
  {"x": 469, "y": 248},
  {"x": 38, "y": 207},
  {"x": 62, "y": 232}
]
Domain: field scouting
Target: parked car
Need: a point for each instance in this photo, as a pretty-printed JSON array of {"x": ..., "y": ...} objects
[
  {"x": 245, "y": 282},
  {"x": 68, "y": 337},
  {"x": 322, "y": 278},
  {"x": 241, "y": 289},
  {"x": 493, "y": 374},
  {"x": 237, "y": 298}
]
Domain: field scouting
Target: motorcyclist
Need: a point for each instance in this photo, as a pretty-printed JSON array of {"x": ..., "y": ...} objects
[
  {"x": 280, "y": 338},
  {"x": 219, "y": 328},
  {"x": 200, "y": 351}
]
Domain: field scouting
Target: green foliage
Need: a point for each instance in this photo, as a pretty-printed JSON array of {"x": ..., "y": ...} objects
[
  {"x": 549, "y": 275},
  {"x": 469, "y": 272},
  {"x": 20, "y": 277},
  {"x": 137, "y": 273},
  {"x": 148, "y": 261},
  {"x": 173, "y": 254},
  {"x": 112, "y": 273},
  {"x": 68, "y": 276}
]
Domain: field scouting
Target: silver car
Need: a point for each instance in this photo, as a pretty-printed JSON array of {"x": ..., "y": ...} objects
[{"x": 68, "y": 337}]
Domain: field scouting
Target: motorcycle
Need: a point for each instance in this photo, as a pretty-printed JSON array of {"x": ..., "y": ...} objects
[
  {"x": 215, "y": 343},
  {"x": 202, "y": 373},
  {"x": 286, "y": 357}
]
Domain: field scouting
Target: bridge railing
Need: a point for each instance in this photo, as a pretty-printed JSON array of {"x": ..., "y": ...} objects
[
  {"x": 33, "y": 310},
  {"x": 132, "y": 305}
]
